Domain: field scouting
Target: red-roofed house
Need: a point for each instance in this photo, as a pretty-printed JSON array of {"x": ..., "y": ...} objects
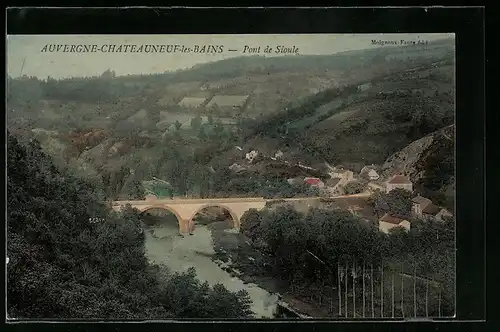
[
  {"x": 314, "y": 182},
  {"x": 387, "y": 222},
  {"x": 399, "y": 181}
]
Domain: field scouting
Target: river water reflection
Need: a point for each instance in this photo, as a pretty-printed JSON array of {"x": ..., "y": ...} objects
[{"x": 163, "y": 245}]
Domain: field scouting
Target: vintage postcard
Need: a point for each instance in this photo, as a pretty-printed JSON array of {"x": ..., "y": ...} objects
[{"x": 167, "y": 177}]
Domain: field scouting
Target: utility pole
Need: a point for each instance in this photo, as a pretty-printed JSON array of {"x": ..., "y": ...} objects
[
  {"x": 373, "y": 306},
  {"x": 402, "y": 289},
  {"x": 346, "y": 277},
  {"x": 392, "y": 286},
  {"x": 439, "y": 301},
  {"x": 354, "y": 289},
  {"x": 363, "y": 289},
  {"x": 414, "y": 289},
  {"x": 382, "y": 292},
  {"x": 339, "y": 291},
  {"x": 426, "y": 298}
]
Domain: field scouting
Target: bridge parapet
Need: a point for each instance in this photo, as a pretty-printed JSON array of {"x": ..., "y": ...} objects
[{"x": 190, "y": 201}]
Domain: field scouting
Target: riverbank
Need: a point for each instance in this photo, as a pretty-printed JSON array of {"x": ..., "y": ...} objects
[
  {"x": 163, "y": 245},
  {"x": 234, "y": 254}
]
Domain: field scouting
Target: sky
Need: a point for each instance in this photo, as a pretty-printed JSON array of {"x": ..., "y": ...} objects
[{"x": 34, "y": 55}]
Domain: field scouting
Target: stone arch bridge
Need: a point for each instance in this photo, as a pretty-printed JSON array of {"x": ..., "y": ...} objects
[{"x": 186, "y": 209}]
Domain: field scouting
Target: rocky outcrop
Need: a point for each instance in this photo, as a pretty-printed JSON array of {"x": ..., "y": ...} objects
[
  {"x": 405, "y": 160},
  {"x": 413, "y": 160}
]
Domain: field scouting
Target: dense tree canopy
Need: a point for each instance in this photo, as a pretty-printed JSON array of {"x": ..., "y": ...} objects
[
  {"x": 70, "y": 257},
  {"x": 295, "y": 240},
  {"x": 397, "y": 202},
  {"x": 307, "y": 248},
  {"x": 354, "y": 187}
]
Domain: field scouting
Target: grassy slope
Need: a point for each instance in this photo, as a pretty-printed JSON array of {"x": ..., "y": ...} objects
[
  {"x": 363, "y": 127},
  {"x": 355, "y": 127}
]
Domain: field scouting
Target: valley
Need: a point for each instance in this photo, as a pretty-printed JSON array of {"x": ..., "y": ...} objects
[{"x": 375, "y": 127}]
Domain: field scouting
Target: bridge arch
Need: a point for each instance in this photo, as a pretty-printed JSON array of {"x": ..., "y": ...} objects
[
  {"x": 234, "y": 216},
  {"x": 181, "y": 223}
]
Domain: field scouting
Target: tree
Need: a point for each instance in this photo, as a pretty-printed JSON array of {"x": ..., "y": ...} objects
[
  {"x": 136, "y": 190},
  {"x": 196, "y": 122},
  {"x": 108, "y": 74},
  {"x": 397, "y": 202},
  {"x": 250, "y": 224},
  {"x": 378, "y": 203},
  {"x": 190, "y": 298},
  {"x": 354, "y": 187},
  {"x": 202, "y": 135},
  {"x": 197, "y": 179},
  {"x": 305, "y": 248},
  {"x": 178, "y": 125},
  {"x": 218, "y": 127},
  {"x": 70, "y": 257}
]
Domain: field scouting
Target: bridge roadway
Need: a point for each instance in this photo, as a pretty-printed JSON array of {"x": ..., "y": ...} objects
[{"x": 186, "y": 209}]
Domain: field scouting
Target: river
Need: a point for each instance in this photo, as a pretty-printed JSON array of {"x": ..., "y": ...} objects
[{"x": 164, "y": 245}]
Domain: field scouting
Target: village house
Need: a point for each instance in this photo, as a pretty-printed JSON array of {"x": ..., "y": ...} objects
[
  {"x": 369, "y": 173},
  {"x": 443, "y": 213},
  {"x": 314, "y": 182},
  {"x": 419, "y": 203},
  {"x": 400, "y": 182},
  {"x": 434, "y": 212},
  {"x": 191, "y": 102},
  {"x": 332, "y": 187},
  {"x": 388, "y": 222},
  {"x": 424, "y": 208},
  {"x": 343, "y": 174},
  {"x": 430, "y": 211},
  {"x": 227, "y": 101}
]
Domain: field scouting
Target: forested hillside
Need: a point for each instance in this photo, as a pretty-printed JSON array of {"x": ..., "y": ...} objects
[
  {"x": 353, "y": 108},
  {"x": 70, "y": 257}
]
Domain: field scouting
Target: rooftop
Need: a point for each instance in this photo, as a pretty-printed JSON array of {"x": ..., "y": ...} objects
[
  {"x": 192, "y": 101},
  {"x": 368, "y": 168},
  {"x": 332, "y": 182},
  {"x": 400, "y": 179},
  {"x": 431, "y": 209},
  {"x": 422, "y": 201},
  {"x": 312, "y": 180},
  {"x": 227, "y": 100},
  {"x": 391, "y": 219}
]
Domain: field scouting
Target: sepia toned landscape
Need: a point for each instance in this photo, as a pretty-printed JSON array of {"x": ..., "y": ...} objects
[{"x": 297, "y": 184}]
